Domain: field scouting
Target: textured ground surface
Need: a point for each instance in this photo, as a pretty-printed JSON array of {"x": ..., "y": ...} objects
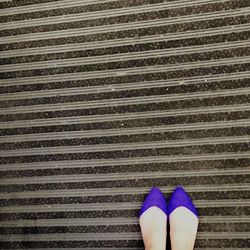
[{"x": 102, "y": 99}]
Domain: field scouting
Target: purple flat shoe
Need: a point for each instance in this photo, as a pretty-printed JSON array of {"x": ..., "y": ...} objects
[
  {"x": 155, "y": 198},
  {"x": 180, "y": 198}
]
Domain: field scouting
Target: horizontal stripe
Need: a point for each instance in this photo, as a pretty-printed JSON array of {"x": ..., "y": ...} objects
[
  {"x": 240, "y": 187},
  {"x": 93, "y": 15},
  {"x": 109, "y": 221},
  {"x": 124, "y": 86},
  {"x": 113, "y": 206},
  {"x": 123, "y": 161},
  {"x": 74, "y": 237},
  {"x": 119, "y": 177},
  {"x": 122, "y": 117},
  {"x": 113, "y": 236},
  {"x": 124, "y": 42},
  {"x": 122, "y": 57},
  {"x": 123, "y": 101},
  {"x": 55, "y": 5},
  {"x": 124, "y": 146},
  {"x": 123, "y": 72},
  {"x": 123, "y": 26},
  {"x": 125, "y": 131}
]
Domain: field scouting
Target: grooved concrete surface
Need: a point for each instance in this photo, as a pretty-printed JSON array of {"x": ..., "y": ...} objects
[{"x": 102, "y": 99}]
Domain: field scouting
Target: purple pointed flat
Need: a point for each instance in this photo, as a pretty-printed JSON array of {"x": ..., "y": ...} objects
[
  {"x": 180, "y": 198},
  {"x": 155, "y": 198}
]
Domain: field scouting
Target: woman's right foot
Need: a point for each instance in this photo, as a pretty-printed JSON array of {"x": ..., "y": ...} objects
[
  {"x": 153, "y": 220},
  {"x": 183, "y": 220},
  {"x": 153, "y": 225}
]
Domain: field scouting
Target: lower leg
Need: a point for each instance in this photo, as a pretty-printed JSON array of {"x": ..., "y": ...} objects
[{"x": 154, "y": 229}]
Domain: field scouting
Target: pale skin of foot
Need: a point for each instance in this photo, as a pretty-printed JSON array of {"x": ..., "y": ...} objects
[
  {"x": 154, "y": 229},
  {"x": 183, "y": 229}
]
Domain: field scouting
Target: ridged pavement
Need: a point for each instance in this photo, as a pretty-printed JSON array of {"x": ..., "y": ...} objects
[{"x": 102, "y": 99}]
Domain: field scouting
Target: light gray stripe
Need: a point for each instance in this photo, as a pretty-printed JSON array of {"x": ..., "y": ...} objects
[
  {"x": 48, "y": 6},
  {"x": 124, "y": 86},
  {"x": 112, "y": 147},
  {"x": 73, "y": 237},
  {"x": 111, "y": 236},
  {"x": 126, "y": 131},
  {"x": 124, "y": 177},
  {"x": 123, "y": 26},
  {"x": 123, "y": 57},
  {"x": 222, "y": 235},
  {"x": 62, "y": 4},
  {"x": 60, "y": 121},
  {"x": 123, "y": 161},
  {"x": 122, "y": 72},
  {"x": 92, "y": 192},
  {"x": 110, "y": 221},
  {"x": 48, "y": 208},
  {"x": 93, "y": 15},
  {"x": 108, "y": 103},
  {"x": 75, "y": 222},
  {"x": 124, "y": 41}
]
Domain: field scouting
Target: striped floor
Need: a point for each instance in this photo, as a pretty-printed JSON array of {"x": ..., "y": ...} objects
[{"x": 102, "y": 99}]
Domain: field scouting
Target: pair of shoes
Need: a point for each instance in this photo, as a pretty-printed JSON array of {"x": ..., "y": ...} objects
[{"x": 179, "y": 198}]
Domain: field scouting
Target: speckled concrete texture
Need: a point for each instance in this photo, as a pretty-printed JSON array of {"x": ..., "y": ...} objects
[{"x": 102, "y": 99}]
